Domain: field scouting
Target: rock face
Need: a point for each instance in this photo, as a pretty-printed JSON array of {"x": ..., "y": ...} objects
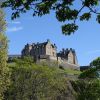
[
  {"x": 70, "y": 95},
  {"x": 48, "y": 51}
]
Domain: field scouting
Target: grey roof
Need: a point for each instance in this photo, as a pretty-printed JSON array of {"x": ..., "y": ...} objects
[{"x": 43, "y": 44}]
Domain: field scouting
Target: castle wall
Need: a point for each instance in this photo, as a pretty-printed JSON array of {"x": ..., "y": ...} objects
[
  {"x": 52, "y": 58},
  {"x": 71, "y": 58},
  {"x": 50, "y": 50},
  {"x": 76, "y": 61}
]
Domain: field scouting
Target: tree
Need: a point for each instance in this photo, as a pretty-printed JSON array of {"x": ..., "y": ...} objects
[
  {"x": 65, "y": 10},
  {"x": 96, "y": 64},
  {"x": 90, "y": 73},
  {"x": 25, "y": 61},
  {"x": 93, "y": 71},
  {"x": 88, "y": 85},
  {"x": 4, "y": 75},
  {"x": 38, "y": 82},
  {"x": 87, "y": 89}
]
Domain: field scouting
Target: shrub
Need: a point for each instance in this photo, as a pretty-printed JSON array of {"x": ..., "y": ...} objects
[
  {"x": 37, "y": 82},
  {"x": 4, "y": 71}
]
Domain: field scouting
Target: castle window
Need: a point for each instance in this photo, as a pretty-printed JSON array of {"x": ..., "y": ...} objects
[
  {"x": 41, "y": 50},
  {"x": 53, "y": 54}
]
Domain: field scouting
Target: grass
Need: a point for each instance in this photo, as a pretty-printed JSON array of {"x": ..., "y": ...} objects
[
  {"x": 72, "y": 71},
  {"x": 11, "y": 64},
  {"x": 67, "y": 71}
]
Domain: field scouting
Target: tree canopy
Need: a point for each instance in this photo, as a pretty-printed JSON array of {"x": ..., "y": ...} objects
[
  {"x": 66, "y": 11},
  {"x": 4, "y": 75},
  {"x": 96, "y": 63},
  {"x": 87, "y": 89},
  {"x": 93, "y": 71}
]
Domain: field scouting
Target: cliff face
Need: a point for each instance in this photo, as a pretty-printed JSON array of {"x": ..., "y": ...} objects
[{"x": 70, "y": 94}]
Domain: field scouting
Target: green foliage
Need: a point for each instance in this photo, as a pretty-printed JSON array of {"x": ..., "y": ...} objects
[
  {"x": 65, "y": 10},
  {"x": 85, "y": 16},
  {"x": 93, "y": 71},
  {"x": 69, "y": 28},
  {"x": 37, "y": 83},
  {"x": 25, "y": 61},
  {"x": 40, "y": 82},
  {"x": 4, "y": 75},
  {"x": 89, "y": 3},
  {"x": 64, "y": 14},
  {"x": 2, "y": 22},
  {"x": 88, "y": 85},
  {"x": 72, "y": 71},
  {"x": 98, "y": 18},
  {"x": 90, "y": 73},
  {"x": 96, "y": 63},
  {"x": 87, "y": 90},
  {"x": 49, "y": 63}
]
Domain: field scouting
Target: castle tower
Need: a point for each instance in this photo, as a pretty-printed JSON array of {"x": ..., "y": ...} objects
[
  {"x": 26, "y": 50},
  {"x": 72, "y": 58},
  {"x": 69, "y": 55}
]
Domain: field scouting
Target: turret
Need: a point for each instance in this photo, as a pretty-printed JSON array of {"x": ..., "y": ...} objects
[{"x": 48, "y": 40}]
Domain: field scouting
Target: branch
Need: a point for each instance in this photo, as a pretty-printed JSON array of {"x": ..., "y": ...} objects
[
  {"x": 94, "y": 11},
  {"x": 79, "y": 12}
]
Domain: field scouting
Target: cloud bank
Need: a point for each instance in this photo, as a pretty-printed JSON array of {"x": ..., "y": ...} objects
[
  {"x": 14, "y": 29},
  {"x": 14, "y": 22}
]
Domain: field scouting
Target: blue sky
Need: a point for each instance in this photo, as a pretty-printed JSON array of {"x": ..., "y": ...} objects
[{"x": 27, "y": 29}]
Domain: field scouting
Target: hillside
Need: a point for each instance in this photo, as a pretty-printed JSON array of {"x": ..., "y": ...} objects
[{"x": 30, "y": 81}]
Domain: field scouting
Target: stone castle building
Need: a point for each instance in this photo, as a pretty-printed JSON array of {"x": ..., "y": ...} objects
[
  {"x": 69, "y": 55},
  {"x": 48, "y": 51},
  {"x": 41, "y": 51}
]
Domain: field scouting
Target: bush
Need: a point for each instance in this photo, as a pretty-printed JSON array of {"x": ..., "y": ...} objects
[
  {"x": 37, "y": 82},
  {"x": 87, "y": 89},
  {"x": 4, "y": 71},
  {"x": 89, "y": 73}
]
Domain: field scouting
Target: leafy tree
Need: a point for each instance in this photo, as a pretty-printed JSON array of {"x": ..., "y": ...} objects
[
  {"x": 88, "y": 86},
  {"x": 90, "y": 73},
  {"x": 65, "y": 10},
  {"x": 93, "y": 71},
  {"x": 4, "y": 75},
  {"x": 25, "y": 61},
  {"x": 87, "y": 89},
  {"x": 96, "y": 64},
  {"x": 38, "y": 83}
]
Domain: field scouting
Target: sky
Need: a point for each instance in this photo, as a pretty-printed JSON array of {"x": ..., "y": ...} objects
[{"x": 29, "y": 29}]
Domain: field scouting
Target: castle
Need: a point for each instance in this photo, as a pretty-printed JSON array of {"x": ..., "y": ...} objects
[{"x": 48, "y": 51}]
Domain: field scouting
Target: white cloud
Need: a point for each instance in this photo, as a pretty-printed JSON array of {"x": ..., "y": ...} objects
[
  {"x": 14, "y": 29},
  {"x": 14, "y": 22}
]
